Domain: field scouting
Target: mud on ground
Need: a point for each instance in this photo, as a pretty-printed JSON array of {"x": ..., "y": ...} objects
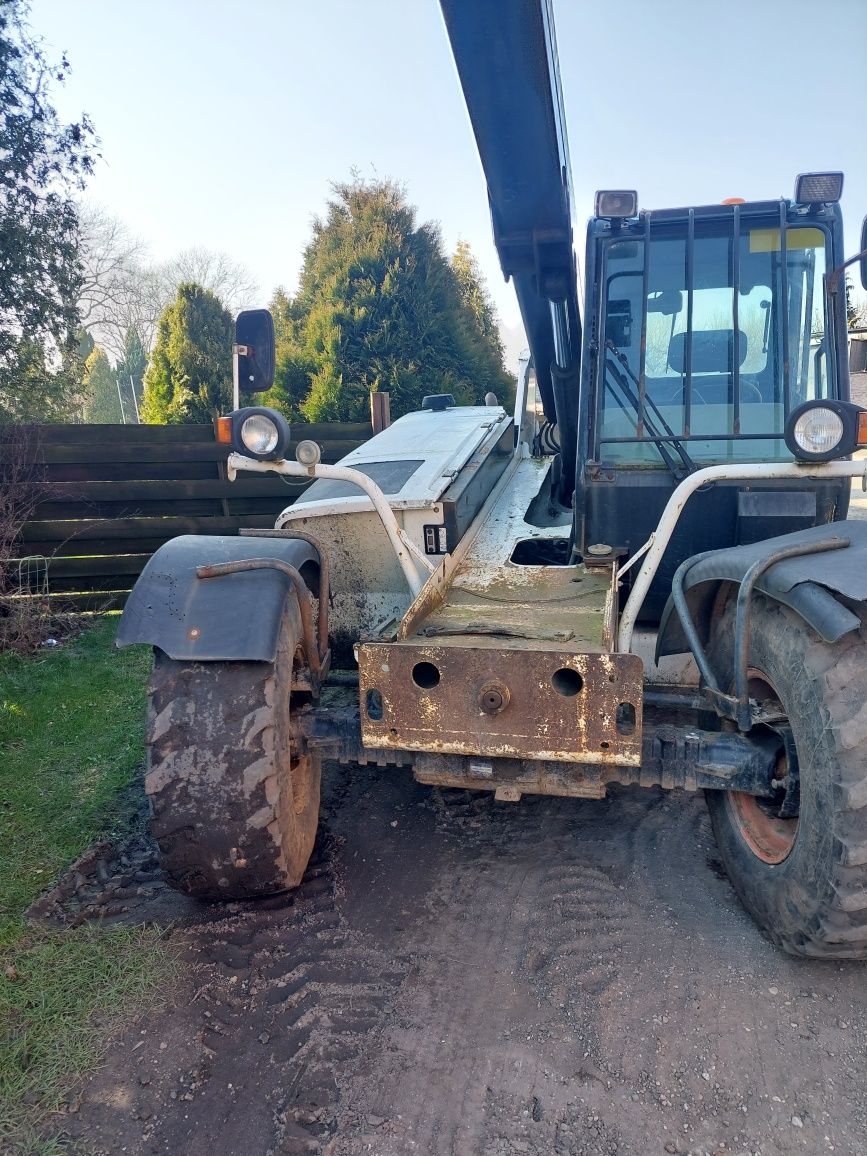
[{"x": 459, "y": 977}]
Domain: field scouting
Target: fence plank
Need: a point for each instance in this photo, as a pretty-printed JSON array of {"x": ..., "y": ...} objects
[
  {"x": 129, "y": 434},
  {"x": 84, "y": 434},
  {"x": 107, "y": 547},
  {"x": 99, "y": 566},
  {"x": 114, "y": 494},
  {"x": 82, "y": 530},
  {"x": 78, "y": 472},
  {"x": 149, "y": 490},
  {"x": 160, "y": 451}
]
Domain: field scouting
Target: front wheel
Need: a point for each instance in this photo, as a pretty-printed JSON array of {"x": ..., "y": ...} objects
[
  {"x": 802, "y": 872},
  {"x": 234, "y": 796}
]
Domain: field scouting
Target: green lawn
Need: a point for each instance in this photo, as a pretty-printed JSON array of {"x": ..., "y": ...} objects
[{"x": 71, "y": 746}]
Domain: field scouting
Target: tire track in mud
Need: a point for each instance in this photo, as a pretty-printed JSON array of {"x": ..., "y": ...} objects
[
  {"x": 511, "y": 943},
  {"x": 577, "y": 936},
  {"x": 460, "y": 977},
  {"x": 320, "y": 990},
  {"x": 283, "y": 999}
]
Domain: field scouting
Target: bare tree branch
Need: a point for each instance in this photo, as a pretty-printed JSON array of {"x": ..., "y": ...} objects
[{"x": 123, "y": 290}]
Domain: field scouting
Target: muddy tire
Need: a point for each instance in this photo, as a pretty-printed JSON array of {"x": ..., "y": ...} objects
[
  {"x": 804, "y": 879},
  {"x": 234, "y": 804}
]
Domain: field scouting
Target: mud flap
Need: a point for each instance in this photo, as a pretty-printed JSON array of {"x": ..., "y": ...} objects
[
  {"x": 236, "y": 617},
  {"x": 811, "y": 586}
]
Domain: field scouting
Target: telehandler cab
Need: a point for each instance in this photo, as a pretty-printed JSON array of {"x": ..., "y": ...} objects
[{"x": 644, "y": 576}]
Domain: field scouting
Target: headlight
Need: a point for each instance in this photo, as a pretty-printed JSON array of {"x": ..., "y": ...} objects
[
  {"x": 261, "y": 433},
  {"x": 820, "y": 431},
  {"x": 818, "y": 188},
  {"x": 616, "y": 203},
  {"x": 308, "y": 453}
]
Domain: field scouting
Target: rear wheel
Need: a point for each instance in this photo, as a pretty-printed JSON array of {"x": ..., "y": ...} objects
[
  {"x": 234, "y": 796},
  {"x": 801, "y": 868}
]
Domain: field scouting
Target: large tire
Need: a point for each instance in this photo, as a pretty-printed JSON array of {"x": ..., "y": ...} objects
[
  {"x": 804, "y": 880},
  {"x": 234, "y": 803}
]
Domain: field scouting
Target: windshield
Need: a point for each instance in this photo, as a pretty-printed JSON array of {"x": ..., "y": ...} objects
[{"x": 731, "y": 316}]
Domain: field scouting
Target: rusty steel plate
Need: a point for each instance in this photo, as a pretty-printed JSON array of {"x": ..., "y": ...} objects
[{"x": 503, "y": 702}]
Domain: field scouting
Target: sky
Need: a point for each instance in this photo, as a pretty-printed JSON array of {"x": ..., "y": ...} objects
[{"x": 224, "y": 122}]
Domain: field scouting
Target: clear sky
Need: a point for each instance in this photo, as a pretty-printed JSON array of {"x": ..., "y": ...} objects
[{"x": 224, "y": 121}]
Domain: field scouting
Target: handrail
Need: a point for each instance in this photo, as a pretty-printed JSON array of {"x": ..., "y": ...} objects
[
  {"x": 405, "y": 550},
  {"x": 656, "y": 545}
]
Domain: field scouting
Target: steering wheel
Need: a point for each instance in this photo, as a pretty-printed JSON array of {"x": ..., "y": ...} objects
[
  {"x": 676, "y": 396},
  {"x": 753, "y": 385}
]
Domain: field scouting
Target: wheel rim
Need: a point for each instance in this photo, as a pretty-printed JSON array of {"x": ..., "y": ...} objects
[
  {"x": 769, "y": 837},
  {"x": 302, "y": 782},
  {"x": 301, "y": 769}
]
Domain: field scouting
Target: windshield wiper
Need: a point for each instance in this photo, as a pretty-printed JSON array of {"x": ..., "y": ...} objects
[{"x": 655, "y": 436}]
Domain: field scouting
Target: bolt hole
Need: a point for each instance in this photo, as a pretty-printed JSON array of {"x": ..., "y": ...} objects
[
  {"x": 625, "y": 719},
  {"x": 373, "y": 705},
  {"x": 425, "y": 675},
  {"x": 567, "y": 682}
]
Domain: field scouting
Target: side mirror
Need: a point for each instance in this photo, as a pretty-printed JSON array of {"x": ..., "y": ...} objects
[
  {"x": 254, "y": 346},
  {"x": 863, "y": 261}
]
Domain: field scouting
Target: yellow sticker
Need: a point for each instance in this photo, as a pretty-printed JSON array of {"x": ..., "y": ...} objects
[{"x": 768, "y": 240}]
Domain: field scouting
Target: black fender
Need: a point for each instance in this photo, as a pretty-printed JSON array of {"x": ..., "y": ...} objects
[
  {"x": 236, "y": 617},
  {"x": 815, "y": 586}
]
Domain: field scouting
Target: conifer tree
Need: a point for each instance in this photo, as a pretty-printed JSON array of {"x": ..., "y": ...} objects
[
  {"x": 45, "y": 163},
  {"x": 379, "y": 307},
  {"x": 189, "y": 378},
  {"x": 102, "y": 405},
  {"x": 130, "y": 370}
]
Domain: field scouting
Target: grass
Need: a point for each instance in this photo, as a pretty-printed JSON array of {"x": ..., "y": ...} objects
[{"x": 71, "y": 744}]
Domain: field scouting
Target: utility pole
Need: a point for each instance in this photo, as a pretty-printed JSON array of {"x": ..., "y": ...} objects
[
  {"x": 134, "y": 400},
  {"x": 120, "y": 399}
]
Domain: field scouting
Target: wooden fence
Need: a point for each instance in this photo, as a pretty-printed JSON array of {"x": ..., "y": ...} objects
[{"x": 112, "y": 494}]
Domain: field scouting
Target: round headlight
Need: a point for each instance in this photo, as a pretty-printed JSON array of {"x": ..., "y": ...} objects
[
  {"x": 818, "y": 430},
  {"x": 308, "y": 453},
  {"x": 259, "y": 434}
]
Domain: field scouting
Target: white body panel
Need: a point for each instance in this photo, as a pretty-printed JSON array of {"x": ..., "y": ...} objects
[
  {"x": 443, "y": 442},
  {"x": 369, "y": 587}
]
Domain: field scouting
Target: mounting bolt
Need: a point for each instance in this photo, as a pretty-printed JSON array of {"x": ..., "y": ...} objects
[{"x": 493, "y": 697}]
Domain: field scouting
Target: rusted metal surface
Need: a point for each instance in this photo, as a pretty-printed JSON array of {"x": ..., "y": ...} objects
[
  {"x": 674, "y": 757},
  {"x": 559, "y": 705},
  {"x": 317, "y": 661},
  {"x": 539, "y": 605}
]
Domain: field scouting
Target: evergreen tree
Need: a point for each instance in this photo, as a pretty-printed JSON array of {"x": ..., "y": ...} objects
[
  {"x": 379, "y": 308},
  {"x": 102, "y": 405},
  {"x": 44, "y": 165},
  {"x": 130, "y": 370},
  {"x": 480, "y": 312},
  {"x": 475, "y": 297},
  {"x": 293, "y": 366},
  {"x": 189, "y": 378}
]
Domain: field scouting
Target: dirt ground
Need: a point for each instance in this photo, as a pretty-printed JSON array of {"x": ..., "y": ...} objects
[{"x": 462, "y": 977}]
